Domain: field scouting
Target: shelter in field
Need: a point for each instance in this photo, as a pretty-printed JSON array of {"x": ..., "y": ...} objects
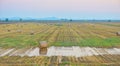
[
  {"x": 8, "y": 30},
  {"x": 118, "y": 33},
  {"x": 43, "y": 47},
  {"x": 32, "y": 33}
]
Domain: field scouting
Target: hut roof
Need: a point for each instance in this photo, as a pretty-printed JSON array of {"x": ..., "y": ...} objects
[{"x": 43, "y": 42}]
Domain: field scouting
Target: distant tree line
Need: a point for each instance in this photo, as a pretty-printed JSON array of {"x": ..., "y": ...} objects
[
  {"x": 61, "y": 20},
  {"x": 7, "y": 20}
]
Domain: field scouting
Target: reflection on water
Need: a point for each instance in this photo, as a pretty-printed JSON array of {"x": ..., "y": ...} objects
[
  {"x": 43, "y": 51},
  {"x": 43, "y": 48},
  {"x": 59, "y": 51}
]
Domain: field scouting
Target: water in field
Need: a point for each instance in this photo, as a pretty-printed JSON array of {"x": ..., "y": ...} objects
[{"x": 60, "y": 51}]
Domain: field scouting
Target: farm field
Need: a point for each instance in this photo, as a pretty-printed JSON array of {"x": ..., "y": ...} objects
[
  {"x": 100, "y": 60},
  {"x": 60, "y": 56},
  {"x": 69, "y": 44},
  {"x": 23, "y": 35},
  {"x": 59, "y": 32}
]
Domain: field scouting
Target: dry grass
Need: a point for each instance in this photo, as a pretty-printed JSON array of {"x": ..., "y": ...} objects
[
  {"x": 101, "y": 60},
  {"x": 64, "y": 34}
]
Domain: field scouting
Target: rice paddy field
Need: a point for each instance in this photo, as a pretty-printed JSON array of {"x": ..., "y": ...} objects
[
  {"x": 102, "y": 60},
  {"x": 20, "y": 35},
  {"x": 101, "y": 38}
]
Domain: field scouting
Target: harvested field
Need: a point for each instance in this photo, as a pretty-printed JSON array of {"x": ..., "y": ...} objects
[
  {"x": 69, "y": 44},
  {"x": 99, "y": 60},
  {"x": 59, "y": 34}
]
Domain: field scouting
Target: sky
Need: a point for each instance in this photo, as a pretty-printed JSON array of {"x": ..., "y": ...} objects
[{"x": 73, "y": 9}]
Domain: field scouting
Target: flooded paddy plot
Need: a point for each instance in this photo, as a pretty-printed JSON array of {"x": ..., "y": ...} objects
[
  {"x": 60, "y": 56},
  {"x": 60, "y": 51}
]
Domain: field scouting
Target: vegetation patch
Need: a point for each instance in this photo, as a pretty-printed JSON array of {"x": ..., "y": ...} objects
[
  {"x": 59, "y": 34},
  {"x": 98, "y": 42}
]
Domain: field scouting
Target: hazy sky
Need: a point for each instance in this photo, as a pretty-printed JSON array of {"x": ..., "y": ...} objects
[{"x": 77, "y": 9}]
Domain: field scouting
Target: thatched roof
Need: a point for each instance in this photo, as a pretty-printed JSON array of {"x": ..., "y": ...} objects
[
  {"x": 43, "y": 42},
  {"x": 118, "y": 33}
]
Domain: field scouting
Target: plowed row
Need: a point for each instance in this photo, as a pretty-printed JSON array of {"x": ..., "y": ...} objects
[
  {"x": 60, "y": 34},
  {"x": 113, "y": 60}
]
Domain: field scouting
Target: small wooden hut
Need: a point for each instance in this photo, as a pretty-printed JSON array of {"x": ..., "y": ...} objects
[
  {"x": 8, "y": 30},
  {"x": 43, "y": 47},
  {"x": 118, "y": 33},
  {"x": 32, "y": 33}
]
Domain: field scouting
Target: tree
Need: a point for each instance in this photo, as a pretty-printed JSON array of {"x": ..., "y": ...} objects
[
  {"x": 6, "y": 20},
  {"x": 70, "y": 19},
  {"x": 109, "y": 20},
  {"x": 20, "y": 19}
]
